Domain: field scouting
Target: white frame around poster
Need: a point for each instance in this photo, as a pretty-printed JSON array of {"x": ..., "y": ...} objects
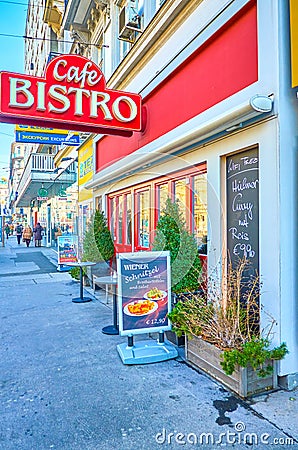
[
  {"x": 74, "y": 240},
  {"x": 137, "y": 260}
]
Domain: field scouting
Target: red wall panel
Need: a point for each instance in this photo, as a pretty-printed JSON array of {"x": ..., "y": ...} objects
[{"x": 224, "y": 65}]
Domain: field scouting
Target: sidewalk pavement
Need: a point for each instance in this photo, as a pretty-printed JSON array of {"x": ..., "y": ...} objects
[{"x": 63, "y": 385}]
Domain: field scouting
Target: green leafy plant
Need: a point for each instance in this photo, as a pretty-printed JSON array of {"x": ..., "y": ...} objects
[
  {"x": 75, "y": 272},
  {"x": 228, "y": 316},
  {"x": 188, "y": 317},
  {"x": 255, "y": 353},
  {"x": 172, "y": 235}
]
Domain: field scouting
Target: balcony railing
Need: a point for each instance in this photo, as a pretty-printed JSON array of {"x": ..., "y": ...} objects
[
  {"x": 37, "y": 162},
  {"x": 39, "y": 170}
]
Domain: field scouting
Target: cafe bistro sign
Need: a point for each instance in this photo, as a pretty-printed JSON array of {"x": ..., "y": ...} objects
[{"x": 73, "y": 95}]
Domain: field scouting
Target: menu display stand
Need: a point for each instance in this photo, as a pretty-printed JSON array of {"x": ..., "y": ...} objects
[
  {"x": 146, "y": 351},
  {"x": 144, "y": 293}
]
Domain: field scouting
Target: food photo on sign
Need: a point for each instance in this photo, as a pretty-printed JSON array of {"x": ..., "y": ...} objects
[{"x": 144, "y": 292}]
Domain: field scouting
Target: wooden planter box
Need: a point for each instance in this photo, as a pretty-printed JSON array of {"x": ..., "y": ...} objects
[{"x": 244, "y": 381}]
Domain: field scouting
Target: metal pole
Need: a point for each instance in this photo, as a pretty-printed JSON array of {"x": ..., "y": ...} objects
[
  {"x": 161, "y": 337},
  {"x": 130, "y": 341},
  {"x": 115, "y": 318},
  {"x": 81, "y": 283}
]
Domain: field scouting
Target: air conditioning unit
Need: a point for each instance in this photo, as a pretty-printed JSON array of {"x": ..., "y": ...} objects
[{"x": 129, "y": 21}]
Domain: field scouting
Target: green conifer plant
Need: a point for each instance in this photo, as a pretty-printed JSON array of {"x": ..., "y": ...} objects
[
  {"x": 98, "y": 243},
  {"x": 103, "y": 237},
  {"x": 172, "y": 235}
]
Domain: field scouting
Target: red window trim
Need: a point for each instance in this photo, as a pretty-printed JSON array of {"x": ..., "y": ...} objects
[{"x": 151, "y": 185}]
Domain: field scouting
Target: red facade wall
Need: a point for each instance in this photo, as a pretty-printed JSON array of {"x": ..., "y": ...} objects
[{"x": 224, "y": 65}]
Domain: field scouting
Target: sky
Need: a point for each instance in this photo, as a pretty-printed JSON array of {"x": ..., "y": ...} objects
[{"x": 12, "y": 22}]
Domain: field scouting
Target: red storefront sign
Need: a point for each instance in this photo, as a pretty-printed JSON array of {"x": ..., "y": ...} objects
[{"x": 72, "y": 96}]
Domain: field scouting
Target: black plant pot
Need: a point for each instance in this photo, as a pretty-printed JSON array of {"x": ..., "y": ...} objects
[{"x": 172, "y": 337}]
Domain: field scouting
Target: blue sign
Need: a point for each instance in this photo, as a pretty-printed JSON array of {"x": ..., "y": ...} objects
[
  {"x": 47, "y": 138},
  {"x": 1, "y": 229}
]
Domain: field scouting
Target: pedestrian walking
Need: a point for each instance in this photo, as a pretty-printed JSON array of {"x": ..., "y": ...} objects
[
  {"x": 19, "y": 232},
  {"x": 38, "y": 234},
  {"x": 27, "y": 235},
  {"x": 7, "y": 230}
]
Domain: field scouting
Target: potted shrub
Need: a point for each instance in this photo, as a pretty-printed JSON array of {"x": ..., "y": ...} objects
[
  {"x": 75, "y": 274},
  {"x": 98, "y": 246},
  {"x": 172, "y": 235},
  {"x": 223, "y": 336}
]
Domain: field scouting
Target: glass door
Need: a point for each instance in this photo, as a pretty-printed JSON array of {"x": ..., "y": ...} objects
[{"x": 120, "y": 221}]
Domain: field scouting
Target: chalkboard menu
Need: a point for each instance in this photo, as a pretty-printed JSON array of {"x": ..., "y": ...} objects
[{"x": 242, "y": 172}]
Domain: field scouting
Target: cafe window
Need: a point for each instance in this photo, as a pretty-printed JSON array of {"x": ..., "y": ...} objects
[
  {"x": 143, "y": 218},
  {"x": 98, "y": 203},
  {"x": 199, "y": 205},
  {"x": 162, "y": 193},
  {"x": 119, "y": 216},
  {"x": 128, "y": 218},
  {"x": 112, "y": 216},
  {"x": 120, "y": 220},
  {"x": 134, "y": 213},
  {"x": 180, "y": 195}
]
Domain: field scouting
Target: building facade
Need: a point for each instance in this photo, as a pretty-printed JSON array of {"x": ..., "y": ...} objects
[
  {"x": 220, "y": 136},
  {"x": 219, "y": 132}
]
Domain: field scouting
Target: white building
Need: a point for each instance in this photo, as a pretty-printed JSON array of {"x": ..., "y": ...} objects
[{"x": 220, "y": 133}]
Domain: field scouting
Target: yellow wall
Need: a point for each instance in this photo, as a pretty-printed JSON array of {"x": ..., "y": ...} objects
[
  {"x": 85, "y": 170},
  {"x": 294, "y": 40}
]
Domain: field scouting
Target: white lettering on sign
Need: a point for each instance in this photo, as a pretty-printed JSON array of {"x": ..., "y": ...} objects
[
  {"x": 237, "y": 205},
  {"x": 136, "y": 266},
  {"x": 17, "y": 85},
  {"x": 56, "y": 93},
  {"x": 41, "y": 86},
  {"x": 73, "y": 74},
  {"x": 132, "y": 107},
  {"x": 243, "y": 207},
  {"x": 99, "y": 101},
  {"x": 79, "y": 99},
  {"x": 101, "y": 104}
]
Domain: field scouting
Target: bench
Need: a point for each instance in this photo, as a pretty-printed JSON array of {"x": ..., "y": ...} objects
[{"x": 103, "y": 281}]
